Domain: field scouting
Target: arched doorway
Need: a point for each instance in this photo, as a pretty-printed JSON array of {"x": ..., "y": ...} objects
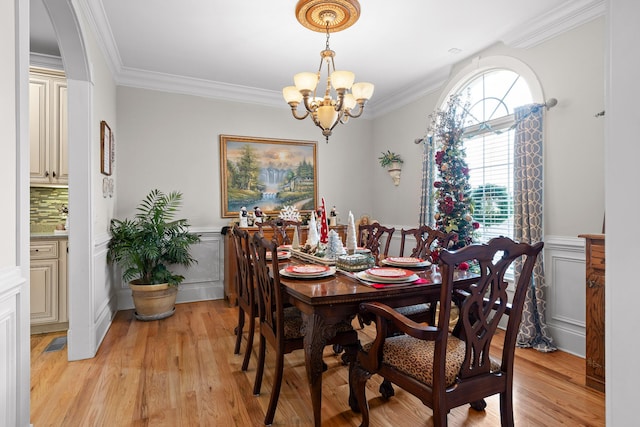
[{"x": 82, "y": 341}]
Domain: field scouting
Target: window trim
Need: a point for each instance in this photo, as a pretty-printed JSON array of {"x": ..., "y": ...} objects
[{"x": 480, "y": 65}]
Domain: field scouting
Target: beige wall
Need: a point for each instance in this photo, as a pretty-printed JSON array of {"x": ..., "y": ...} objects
[
  {"x": 104, "y": 108},
  {"x": 171, "y": 142},
  {"x": 569, "y": 67},
  {"x": 8, "y": 133}
]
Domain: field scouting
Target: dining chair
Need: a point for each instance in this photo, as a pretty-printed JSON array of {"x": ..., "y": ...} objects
[
  {"x": 279, "y": 325},
  {"x": 446, "y": 370},
  {"x": 425, "y": 239},
  {"x": 279, "y": 228},
  {"x": 245, "y": 290},
  {"x": 373, "y": 236}
]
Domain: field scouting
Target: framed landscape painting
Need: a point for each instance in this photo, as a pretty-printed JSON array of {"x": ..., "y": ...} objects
[{"x": 267, "y": 173}]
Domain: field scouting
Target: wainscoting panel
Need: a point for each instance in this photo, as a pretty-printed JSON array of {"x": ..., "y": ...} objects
[
  {"x": 105, "y": 300},
  {"x": 565, "y": 292},
  {"x": 204, "y": 280},
  {"x": 10, "y": 349}
]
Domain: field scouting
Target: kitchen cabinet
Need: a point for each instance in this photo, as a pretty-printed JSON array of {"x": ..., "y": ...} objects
[
  {"x": 49, "y": 286},
  {"x": 48, "y": 164},
  {"x": 595, "y": 290},
  {"x": 230, "y": 267}
]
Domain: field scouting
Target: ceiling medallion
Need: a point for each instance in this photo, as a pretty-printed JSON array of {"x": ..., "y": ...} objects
[{"x": 337, "y": 15}]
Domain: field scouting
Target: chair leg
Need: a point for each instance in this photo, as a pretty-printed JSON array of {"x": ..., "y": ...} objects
[
  {"x": 238, "y": 330},
  {"x": 357, "y": 397},
  {"x": 360, "y": 321},
  {"x": 439, "y": 417},
  {"x": 250, "y": 334},
  {"x": 506, "y": 409},
  {"x": 260, "y": 369},
  {"x": 479, "y": 405},
  {"x": 275, "y": 391},
  {"x": 386, "y": 390}
]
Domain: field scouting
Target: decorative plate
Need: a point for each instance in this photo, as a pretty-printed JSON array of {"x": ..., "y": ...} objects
[
  {"x": 389, "y": 273},
  {"x": 364, "y": 277},
  {"x": 307, "y": 269},
  {"x": 329, "y": 272},
  {"x": 281, "y": 255},
  {"x": 406, "y": 262}
]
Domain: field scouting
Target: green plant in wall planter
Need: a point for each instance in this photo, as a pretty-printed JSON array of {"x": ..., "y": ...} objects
[
  {"x": 393, "y": 162},
  {"x": 146, "y": 246}
]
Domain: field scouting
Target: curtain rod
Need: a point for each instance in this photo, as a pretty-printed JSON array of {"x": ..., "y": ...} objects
[{"x": 548, "y": 104}]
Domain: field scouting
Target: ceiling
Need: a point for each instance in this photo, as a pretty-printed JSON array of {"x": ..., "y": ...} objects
[{"x": 248, "y": 50}]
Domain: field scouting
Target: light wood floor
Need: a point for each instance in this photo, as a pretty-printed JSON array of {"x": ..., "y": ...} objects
[{"x": 181, "y": 371}]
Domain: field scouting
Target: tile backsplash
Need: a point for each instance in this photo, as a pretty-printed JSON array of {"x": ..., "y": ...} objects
[{"x": 48, "y": 206}]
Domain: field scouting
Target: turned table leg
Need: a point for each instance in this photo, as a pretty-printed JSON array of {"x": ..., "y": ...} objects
[{"x": 316, "y": 334}]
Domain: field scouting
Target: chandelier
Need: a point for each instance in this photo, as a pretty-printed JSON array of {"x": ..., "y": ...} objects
[{"x": 325, "y": 110}]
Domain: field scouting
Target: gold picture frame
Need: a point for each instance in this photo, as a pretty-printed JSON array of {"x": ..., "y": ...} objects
[
  {"x": 106, "y": 148},
  {"x": 268, "y": 173}
]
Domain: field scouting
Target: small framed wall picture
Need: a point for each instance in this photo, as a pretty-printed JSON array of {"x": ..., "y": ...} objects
[{"x": 106, "y": 148}]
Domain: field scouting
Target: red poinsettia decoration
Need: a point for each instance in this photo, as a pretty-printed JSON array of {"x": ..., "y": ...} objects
[{"x": 463, "y": 266}]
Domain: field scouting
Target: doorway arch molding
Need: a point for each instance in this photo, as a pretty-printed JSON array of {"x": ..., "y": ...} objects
[{"x": 83, "y": 336}]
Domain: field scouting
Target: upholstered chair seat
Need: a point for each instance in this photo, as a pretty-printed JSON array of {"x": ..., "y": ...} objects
[
  {"x": 412, "y": 310},
  {"x": 414, "y": 357}
]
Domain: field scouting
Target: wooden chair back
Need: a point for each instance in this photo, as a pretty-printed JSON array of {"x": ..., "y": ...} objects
[
  {"x": 244, "y": 274},
  {"x": 376, "y": 238},
  {"x": 484, "y": 304},
  {"x": 279, "y": 228},
  {"x": 424, "y": 240},
  {"x": 268, "y": 289},
  {"x": 245, "y": 291}
]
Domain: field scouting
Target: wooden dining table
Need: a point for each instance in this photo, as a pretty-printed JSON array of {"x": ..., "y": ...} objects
[{"x": 327, "y": 301}]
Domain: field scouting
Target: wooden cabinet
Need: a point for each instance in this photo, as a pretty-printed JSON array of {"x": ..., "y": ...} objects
[
  {"x": 595, "y": 291},
  {"x": 49, "y": 286},
  {"x": 48, "y": 164},
  {"x": 230, "y": 261}
]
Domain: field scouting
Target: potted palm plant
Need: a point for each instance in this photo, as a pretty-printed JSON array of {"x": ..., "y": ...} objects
[{"x": 146, "y": 246}]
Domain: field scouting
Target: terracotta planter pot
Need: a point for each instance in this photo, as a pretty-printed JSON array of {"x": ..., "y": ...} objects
[{"x": 153, "y": 302}]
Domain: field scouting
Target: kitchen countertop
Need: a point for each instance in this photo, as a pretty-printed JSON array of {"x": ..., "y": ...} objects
[{"x": 49, "y": 235}]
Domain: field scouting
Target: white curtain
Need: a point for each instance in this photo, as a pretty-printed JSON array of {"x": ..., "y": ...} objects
[{"x": 428, "y": 171}]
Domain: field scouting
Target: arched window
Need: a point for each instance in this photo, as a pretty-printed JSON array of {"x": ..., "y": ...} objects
[
  {"x": 488, "y": 139},
  {"x": 504, "y": 152}
]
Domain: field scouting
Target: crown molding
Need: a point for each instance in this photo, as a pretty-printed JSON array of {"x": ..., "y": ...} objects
[
  {"x": 199, "y": 87},
  {"x": 97, "y": 19},
  {"x": 413, "y": 92},
  {"x": 41, "y": 60},
  {"x": 563, "y": 18}
]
